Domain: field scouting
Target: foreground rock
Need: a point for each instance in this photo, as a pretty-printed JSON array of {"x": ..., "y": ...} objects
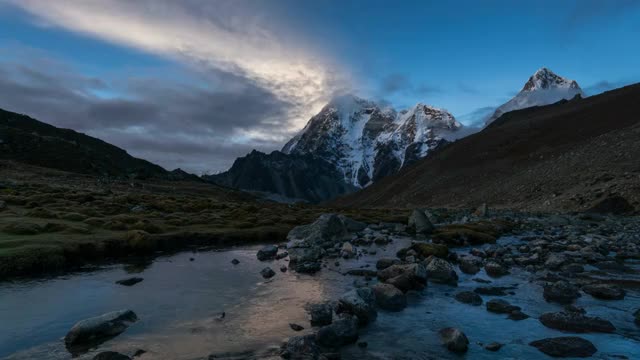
[
  {"x": 390, "y": 298},
  {"x": 301, "y": 347},
  {"x": 405, "y": 277},
  {"x": 267, "y": 273},
  {"x": 267, "y": 253},
  {"x": 577, "y": 322},
  {"x": 494, "y": 269},
  {"x": 343, "y": 331},
  {"x": 454, "y": 339},
  {"x": 565, "y": 346},
  {"x": 360, "y": 303},
  {"x": 561, "y": 292},
  {"x": 469, "y": 297},
  {"x": 93, "y": 331},
  {"x": 441, "y": 271},
  {"x": 604, "y": 291},
  {"x": 470, "y": 264}
]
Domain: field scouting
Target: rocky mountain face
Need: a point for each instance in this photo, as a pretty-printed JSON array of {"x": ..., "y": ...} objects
[
  {"x": 543, "y": 88},
  {"x": 367, "y": 141},
  {"x": 32, "y": 142},
  {"x": 283, "y": 177}
]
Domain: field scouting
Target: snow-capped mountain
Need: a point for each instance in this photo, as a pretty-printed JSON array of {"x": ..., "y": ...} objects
[
  {"x": 543, "y": 88},
  {"x": 367, "y": 141}
]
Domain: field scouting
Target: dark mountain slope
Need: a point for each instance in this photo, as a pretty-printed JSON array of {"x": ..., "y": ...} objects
[
  {"x": 30, "y": 141},
  {"x": 293, "y": 177},
  {"x": 564, "y": 156}
]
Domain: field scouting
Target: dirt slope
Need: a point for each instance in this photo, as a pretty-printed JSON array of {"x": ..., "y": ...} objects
[{"x": 565, "y": 156}]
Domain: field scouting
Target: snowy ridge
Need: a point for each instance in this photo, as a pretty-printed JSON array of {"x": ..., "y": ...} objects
[
  {"x": 543, "y": 88},
  {"x": 367, "y": 141}
]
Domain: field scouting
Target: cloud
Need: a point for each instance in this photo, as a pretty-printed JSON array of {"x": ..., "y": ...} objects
[
  {"x": 168, "y": 122},
  {"x": 398, "y": 83},
  {"x": 228, "y": 36}
]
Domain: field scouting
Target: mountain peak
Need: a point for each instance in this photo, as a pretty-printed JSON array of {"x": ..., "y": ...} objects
[{"x": 544, "y": 79}]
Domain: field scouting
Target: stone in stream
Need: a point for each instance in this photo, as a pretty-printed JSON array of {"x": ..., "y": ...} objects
[
  {"x": 111, "y": 355},
  {"x": 494, "y": 269},
  {"x": 296, "y": 327},
  {"x": 341, "y": 332},
  {"x": 425, "y": 249},
  {"x": 320, "y": 314},
  {"x": 384, "y": 263},
  {"x": 235, "y": 261},
  {"x": 300, "y": 347},
  {"x": 130, "y": 281},
  {"x": 90, "y": 332},
  {"x": 405, "y": 277},
  {"x": 267, "y": 273},
  {"x": 267, "y": 253},
  {"x": 468, "y": 297},
  {"x": 390, "y": 298},
  {"x": 419, "y": 223},
  {"x": 517, "y": 315},
  {"x": 470, "y": 264},
  {"x": 454, "y": 339},
  {"x": 561, "y": 292},
  {"x": 565, "y": 346},
  {"x": 282, "y": 255},
  {"x": 441, "y": 271},
  {"x": 494, "y": 346},
  {"x": 604, "y": 291},
  {"x": 359, "y": 302},
  {"x": 500, "y": 306},
  {"x": 576, "y": 322},
  {"x": 492, "y": 290}
]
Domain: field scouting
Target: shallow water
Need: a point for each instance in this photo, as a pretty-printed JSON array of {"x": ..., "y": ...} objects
[{"x": 180, "y": 301}]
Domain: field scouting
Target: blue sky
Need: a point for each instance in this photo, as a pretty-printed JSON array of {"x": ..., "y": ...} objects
[{"x": 194, "y": 84}]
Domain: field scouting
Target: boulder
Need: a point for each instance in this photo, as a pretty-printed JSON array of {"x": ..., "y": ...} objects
[
  {"x": 267, "y": 273},
  {"x": 301, "y": 347},
  {"x": 95, "y": 330},
  {"x": 517, "y": 315},
  {"x": 267, "y": 253},
  {"x": 492, "y": 290},
  {"x": 419, "y": 223},
  {"x": 576, "y": 322},
  {"x": 320, "y": 314},
  {"x": 604, "y": 291},
  {"x": 384, "y": 263},
  {"x": 343, "y": 331},
  {"x": 424, "y": 250},
  {"x": 468, "y": 297},
  {"x": 470, "y": 264},
  {"x": 235, "y": 261},
  {"x": 296, "y": 327},
  {"x": 565, "y": 346},
  {"x": 390, "y": 298},
  {"x": 561, "y": 292},
  {"x": 359, "y": 302},
  {"x": 441, "y": 271},
  {"x": 500, "y": 306},
  {"x": 494, "y": 269},
  {"x": 454, "y": 339},
  {"x": 555, "y": 261},
  {"x": 347, "y": 251},
  {"x": 405, "y": 277},
  {"x": 494, "y": 346}
]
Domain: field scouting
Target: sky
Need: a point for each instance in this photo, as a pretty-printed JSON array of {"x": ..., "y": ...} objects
[{"x": 196, "y": 83}]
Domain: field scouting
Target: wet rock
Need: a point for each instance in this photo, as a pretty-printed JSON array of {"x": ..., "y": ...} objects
[
  {"x": 575, "y": 321},
  {"x": 347, "y": 251},
  {"x": 555, "y": 261},
  {"x": 424, "y": 250},
  {"x": 494, "y": 346},
  {"x": 130, "y": 281},
  {"x": 111, "y": 355},
  {"x": 470, "y": 264},
  {"x": 419, "y": 223},
  {"x": 468, "y": 297},
  {"x": 405, "y": 277},
  {"x": 381, "y": 240},
  {"x": 362, "y": 272},
  {"x": 561, "y": 292},
  {"x": 390, "y": 298},
  {"x": 604, "y": 291},
  {"x": 301, "y": 347},
  {"x": 494, "y": 269},
  {"x": 296, "y": 327},
  {"x": 565, "y": 346},
  {"x": 343, "y": 331},
  {"x": 267, "y": 273},
  {"x": 320, "y": 314},
  {"x": 359, "y": 302},
  {"x": 517, "y": 315},
  {"x": 500, "y": 306},
  {"x": 454, "y": 339},
  {"x": 492, "y": 290},
  {"x": 95, "y": 330},
  {"x": 384, "y": 263},
  {"x": 283, "y": 268},
  {"x": 235, "y": 261},
  {"x": 267, "y": 253},
  {"x": 441, "y": 271}
]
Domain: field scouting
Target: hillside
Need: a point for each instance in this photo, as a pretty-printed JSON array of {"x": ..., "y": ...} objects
[
  {"x": 30, "y": 141},
  {"x": 566, "y": 156}
]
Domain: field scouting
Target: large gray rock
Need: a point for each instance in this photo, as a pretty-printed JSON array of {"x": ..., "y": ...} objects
[
  {"x": 390, "y": 298},
  {"x": 454, "y": 339},
  {"x": 470, "y": 264},
  {"x": 267, "y": 253},
  {"x": 359, "y": 302},
  {"x": 301, "y": 348},
  {"x": 494, "y": 269},
  {"x": 405, "y": 277},
  {"x": 561, "y": 292},
  {"x": 342, "y": 332},
  {"x": 565, "y": 346},
  {"x": 441, "y": 271},
  {"x": 328, "y": 227},
  {"x": 100, "y": 328},
  {"x": 577, "y": 322},
  {"x": 320, "y": 314},
  {"x": 419, "y": 222}
]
